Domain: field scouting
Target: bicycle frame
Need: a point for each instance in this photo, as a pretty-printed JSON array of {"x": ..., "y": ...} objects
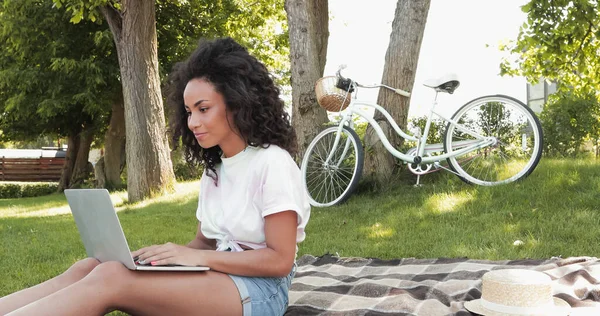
[{"x": 470, "y": 145}]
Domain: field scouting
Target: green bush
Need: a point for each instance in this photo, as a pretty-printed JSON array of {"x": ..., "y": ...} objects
[
  {"x": 38, "y": 189},
  {"x": 12, "y": 190},
  {"x": 568, "y": 121},
  {"x": 360, "y": 127},
  {"x": 435, "y": 135},
  {"x": 436, "y": 129},
  {"x": 183, "y": 170}
]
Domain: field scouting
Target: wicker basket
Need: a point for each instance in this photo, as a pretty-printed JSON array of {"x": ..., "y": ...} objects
[{"x": 330, "y": 97}]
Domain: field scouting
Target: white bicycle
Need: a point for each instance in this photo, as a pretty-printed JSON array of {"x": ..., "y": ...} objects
[{"x": 491, "y": 140}]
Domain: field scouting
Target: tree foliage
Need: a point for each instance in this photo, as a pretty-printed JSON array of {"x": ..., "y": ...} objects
[
  {"x": 259, "y": 25},
  {"x": 560, "y": 41},
  {"x": 55, "y": 76},
  {"x": 568, "y": 121}
]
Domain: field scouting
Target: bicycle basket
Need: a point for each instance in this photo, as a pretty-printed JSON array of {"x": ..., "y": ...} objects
[{"x": 330, "y": 97}]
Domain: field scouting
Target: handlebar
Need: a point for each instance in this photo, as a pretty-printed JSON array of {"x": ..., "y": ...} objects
[
  {"x": 345, "y": 84},
  {"x": 338, "y": 73},
  {"x": 348, "y": 84}
]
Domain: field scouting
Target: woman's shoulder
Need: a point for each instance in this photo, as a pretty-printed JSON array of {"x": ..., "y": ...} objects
[
  {"x": 273, "y": 152},
  {"x": 273, "y": 157}
]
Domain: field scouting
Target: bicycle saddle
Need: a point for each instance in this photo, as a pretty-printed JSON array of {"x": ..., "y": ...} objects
[{"x": 446, "y": 83}]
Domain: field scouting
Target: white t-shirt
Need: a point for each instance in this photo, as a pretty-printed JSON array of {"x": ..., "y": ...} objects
[{"x": 253, "y": 184}]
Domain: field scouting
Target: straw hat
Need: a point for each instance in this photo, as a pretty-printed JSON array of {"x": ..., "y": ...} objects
[{"x": 517, "y": 292}]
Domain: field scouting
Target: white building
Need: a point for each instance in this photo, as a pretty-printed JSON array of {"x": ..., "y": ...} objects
[{"x": 537, "y": 94}]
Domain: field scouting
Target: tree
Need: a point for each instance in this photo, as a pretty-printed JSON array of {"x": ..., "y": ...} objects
[
  {"x": 133, "y": 26},
  {"x": 132, "y": 23},
  {"x": 308, "y": 30},
  {"x": 494, "y": 119},
  {"x": 109, "y": 167},
  {"x": 559, "y": 41},
  {"x": 399, "y": 71},
  {"x": 59, "y": 90},
  {"x": 179, "y": 26}
]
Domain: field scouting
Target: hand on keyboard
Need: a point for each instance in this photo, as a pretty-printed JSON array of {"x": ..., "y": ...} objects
[{"x": 141, "y": 263}]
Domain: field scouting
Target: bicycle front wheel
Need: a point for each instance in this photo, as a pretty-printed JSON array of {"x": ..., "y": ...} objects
[
  {"x": 518, "y": 140},
  {"x": 331, "y": 181}
]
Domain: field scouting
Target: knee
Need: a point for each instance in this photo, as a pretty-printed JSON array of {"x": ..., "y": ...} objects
[
  {"x": 81, "y": 269},
  {"x": 111, "y": 274},
  {"x": 108, "y": 281}
]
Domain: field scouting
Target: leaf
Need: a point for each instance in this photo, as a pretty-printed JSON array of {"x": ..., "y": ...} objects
[{"x": 77, "y": 17}]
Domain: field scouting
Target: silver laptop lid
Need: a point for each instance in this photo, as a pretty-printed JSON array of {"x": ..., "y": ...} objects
[{"x": 98, "y": 225}]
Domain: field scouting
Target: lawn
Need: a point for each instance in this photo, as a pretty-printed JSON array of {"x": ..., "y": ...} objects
[{"x": 554, "y": 212}]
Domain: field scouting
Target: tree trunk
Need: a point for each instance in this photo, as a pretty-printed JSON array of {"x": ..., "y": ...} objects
[
  {"x": 399, "y": 71},
  {"x": 100, "y": 173},
  {"x": 150, "y": 171},
  {"x": 82, "y": 167},
  {"x": 108, "y": 169},
  {"x": 72, "y": 149},
  {"x": 309, "y": 32}
]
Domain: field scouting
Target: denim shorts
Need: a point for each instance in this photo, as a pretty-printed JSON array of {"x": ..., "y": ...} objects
[{"x": 264, "y": 296}]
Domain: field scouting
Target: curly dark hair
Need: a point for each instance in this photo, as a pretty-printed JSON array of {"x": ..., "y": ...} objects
[{"x": 249, "y": 93}]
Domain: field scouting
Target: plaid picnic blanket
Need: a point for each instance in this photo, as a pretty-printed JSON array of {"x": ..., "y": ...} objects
[{"x": 330, "y": 285}]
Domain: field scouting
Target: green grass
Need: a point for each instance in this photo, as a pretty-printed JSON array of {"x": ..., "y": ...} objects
[{"x": 554, "y": 212}]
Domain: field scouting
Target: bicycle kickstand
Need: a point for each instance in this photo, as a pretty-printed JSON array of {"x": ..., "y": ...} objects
[{"x": 418, "y": 185}]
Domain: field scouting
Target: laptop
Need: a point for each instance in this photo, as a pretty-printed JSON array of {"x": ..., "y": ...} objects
[{"x": 101, "y": 231}]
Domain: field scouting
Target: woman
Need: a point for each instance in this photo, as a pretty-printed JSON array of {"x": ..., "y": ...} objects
[{"x": 252, "y": 209}]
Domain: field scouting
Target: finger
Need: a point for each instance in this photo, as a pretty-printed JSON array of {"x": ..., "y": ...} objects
[
  {"x": 156, "y": 253},
  {"x": 139, "y": 254},
  {"x": 159, "y": 256},
  {"x": 163, "y": 251},
  {"x": 142, "y": 250},
  {"x": 160, "y": 260}
]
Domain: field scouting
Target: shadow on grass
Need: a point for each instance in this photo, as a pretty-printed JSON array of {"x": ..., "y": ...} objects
[
  {"x": 38, "y": 248},
  {"x": 551, "y": 213},
  {"x": 12, "y": 207},
  {"x": 56, "y": 204},
  {"x": 554, "y": 212}
]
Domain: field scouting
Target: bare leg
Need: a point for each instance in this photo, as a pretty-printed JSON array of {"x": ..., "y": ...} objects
[
  {"x": 75, "y": 273},
  {"x": 111, "y": 286}
]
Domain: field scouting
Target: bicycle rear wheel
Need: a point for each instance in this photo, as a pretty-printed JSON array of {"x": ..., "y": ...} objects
[
  {"x": 330, "y": 182},
  {"x": 518, "y": 135}
]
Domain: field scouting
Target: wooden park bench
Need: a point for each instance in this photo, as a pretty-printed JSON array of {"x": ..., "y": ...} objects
[{"x": 31, "y": 165}]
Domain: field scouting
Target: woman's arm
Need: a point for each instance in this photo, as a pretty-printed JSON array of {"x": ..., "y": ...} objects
[
  {"x": 275, "y": 260},
  {"x": 201, "y": 242}
]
